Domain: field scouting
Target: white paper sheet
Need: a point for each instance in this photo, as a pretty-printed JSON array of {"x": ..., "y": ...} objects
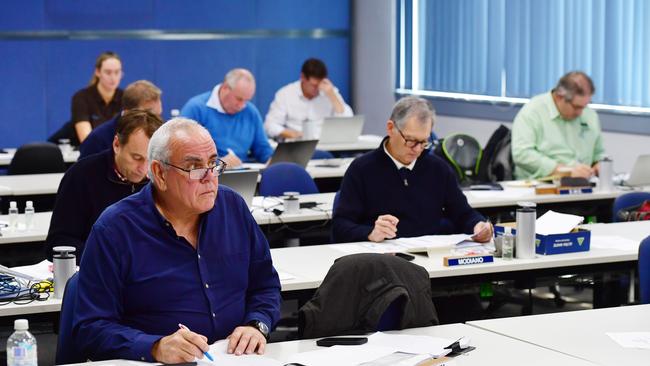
[
  {"x": 433, "y": 346},
  {"x": 556, "y": 223},
  {"x": 223, "y": 358},
  {"x": 613, "y": 242},
  {"x": 40, "y": 271},
  {"x": 341, "y": 355},
  {"x": 639, "y": 340},
  {"x": 431, "y": 241}
]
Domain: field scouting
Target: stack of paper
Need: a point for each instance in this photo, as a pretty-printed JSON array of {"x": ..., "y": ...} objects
[
  {"x": 223, "y": 358},
  {"x": 640, "y": 340},
  {"x": 556, "y": 223},
  {"x": 381, "y": 348}
]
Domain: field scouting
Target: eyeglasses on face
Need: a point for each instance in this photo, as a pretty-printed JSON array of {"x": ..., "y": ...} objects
[
  {"x": 217, "y": 167},
  {"x": 410, "y": 143}
]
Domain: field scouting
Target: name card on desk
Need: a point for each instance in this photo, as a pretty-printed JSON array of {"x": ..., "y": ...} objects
[{"x": 465, "y": 260}]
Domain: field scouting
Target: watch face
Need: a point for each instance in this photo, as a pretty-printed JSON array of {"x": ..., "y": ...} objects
[{"x": 263, "y": 328}]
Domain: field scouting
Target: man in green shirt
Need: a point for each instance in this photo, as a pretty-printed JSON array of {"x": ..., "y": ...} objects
[{"x": 556, "y": 132}]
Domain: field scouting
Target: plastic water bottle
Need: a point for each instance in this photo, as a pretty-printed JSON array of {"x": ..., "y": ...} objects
[
  {"x": 507, "y": 244},
  {"x": 175, "y": 113},
  {"x": 29, "y": 215},
  {"x": 21, "y": 346},
  {"x": 13, "y": 215}
]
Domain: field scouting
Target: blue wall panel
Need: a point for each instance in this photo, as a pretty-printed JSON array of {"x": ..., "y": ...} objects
[
  {"x": 185, "y": 69},
  {"x": 40, "y": 75},
  {"x": 99, "y": 14},
  {"x": 22, "y": 98},
  {"x": 22, "y": 15}
]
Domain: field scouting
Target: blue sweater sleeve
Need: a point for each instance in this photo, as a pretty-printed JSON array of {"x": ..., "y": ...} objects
[
  {"x": 260, "y": 147},
  {"x": 346, "y": 226},
  {"x": 97, "y": 330}
]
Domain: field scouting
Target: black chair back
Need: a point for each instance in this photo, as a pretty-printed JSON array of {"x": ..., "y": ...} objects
[{"x": 37, "y": 158}]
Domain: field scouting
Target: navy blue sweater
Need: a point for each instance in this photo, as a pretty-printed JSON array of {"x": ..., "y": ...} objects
[
  {"x": 373, "y": 186},
  {"x": 87, "y": 188}
]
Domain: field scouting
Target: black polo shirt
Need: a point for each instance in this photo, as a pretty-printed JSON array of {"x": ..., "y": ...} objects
[{"x": 88, "y": 105}]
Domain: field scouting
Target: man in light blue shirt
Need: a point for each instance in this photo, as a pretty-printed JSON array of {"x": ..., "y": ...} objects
[{"x": 233, "y": 121}]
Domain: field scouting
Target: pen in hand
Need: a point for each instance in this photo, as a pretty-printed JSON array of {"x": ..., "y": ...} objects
[{"x": 207, "y": 354}]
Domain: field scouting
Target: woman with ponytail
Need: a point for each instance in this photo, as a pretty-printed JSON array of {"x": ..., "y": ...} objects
[{"x": 102, "y": 99}]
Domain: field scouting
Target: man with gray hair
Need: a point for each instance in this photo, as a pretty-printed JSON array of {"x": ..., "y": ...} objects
[
  {"x": 233, "y": 121},
  {"x": 557, "y": 133},
  {"x": 178, "y": 265},
  {"x": 400, "y": 190}
]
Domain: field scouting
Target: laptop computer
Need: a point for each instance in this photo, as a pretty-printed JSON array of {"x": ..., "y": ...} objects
[
  {"x": 243, "y": 182},
  {"x": 299, "y": 152},
  {"x": 640, "y": 174},
  {"x": 341, "y": 129}
]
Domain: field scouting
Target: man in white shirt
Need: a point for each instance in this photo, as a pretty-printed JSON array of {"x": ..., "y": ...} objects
[{"x": 312, "y": 98}]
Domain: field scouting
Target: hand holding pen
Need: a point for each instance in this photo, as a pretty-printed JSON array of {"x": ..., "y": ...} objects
[
  {"x": 483, "y": 232},
  {"x": 181, "y": 346}
]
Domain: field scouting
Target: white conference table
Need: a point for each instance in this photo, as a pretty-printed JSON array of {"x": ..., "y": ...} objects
[
  {"x": 304, "y": 268},
  {"x": 5, "y": 157},
  {"x": 491, "y": 348},
  {"x": 263, "y": 217},
  {"x": 364, "y": 143},
  {"x": 579, "y": 333},
  {"x": 32, "y": 184}
]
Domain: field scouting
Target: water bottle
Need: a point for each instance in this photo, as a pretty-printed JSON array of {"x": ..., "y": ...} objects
[
  {"x": 175, "y": 113},
  {"x": 606, "y": 175},
  {"x": 21, "y": 346},
  {"x": 525, "y": 244},
  {"x": 29, "y": 215},
  {"x": 13, "y": 215},
  {"x": 507, "y": 244},
  {"x": 65, "y": 265}
]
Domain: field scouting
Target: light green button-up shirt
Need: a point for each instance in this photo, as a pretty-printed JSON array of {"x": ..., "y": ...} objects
[{"x": 541, "y": 138}]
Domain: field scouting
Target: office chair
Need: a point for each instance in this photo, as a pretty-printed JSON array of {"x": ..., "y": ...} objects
[
  {"x": 66, "y": 351},
  {"x": 66, "y": 131},
  {"x": 37, "y": 158},
  {"x": 644, "y": 271},
  {"x": 626, "y": 201},
  {"x": 286, "y": 177},
  {"x": 367, "y": 292},
  {"x": 322, "y": 154}
]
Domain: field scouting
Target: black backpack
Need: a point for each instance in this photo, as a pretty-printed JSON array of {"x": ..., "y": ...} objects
[
  {"x": 463, "y": 152},
  {"x": 496, "y": 163}
]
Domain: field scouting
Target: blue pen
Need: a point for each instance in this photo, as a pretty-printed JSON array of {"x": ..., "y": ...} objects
[{"x": 209, "y": 356}]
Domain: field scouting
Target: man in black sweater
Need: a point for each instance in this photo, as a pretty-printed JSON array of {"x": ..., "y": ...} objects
[
  {"x": 396, "y": 191},
  {"x": 98, "y": 181}
]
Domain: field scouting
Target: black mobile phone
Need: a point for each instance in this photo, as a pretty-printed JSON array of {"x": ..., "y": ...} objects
[
  {"x": 341, "y": 341},
  {"x": 408, "y": 257}
]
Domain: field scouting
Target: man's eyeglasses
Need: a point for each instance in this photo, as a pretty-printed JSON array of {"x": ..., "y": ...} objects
[
  {"x": 216, "y": 168},
  {"x": 414, "y": 143}
]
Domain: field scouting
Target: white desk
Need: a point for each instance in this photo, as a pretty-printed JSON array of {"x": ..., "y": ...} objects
[
  {"x": 579, "y": 333},
  {"x": 5, "y": 158},
  {"x": 309, "y": 265},
  {"x": 491, "y": 348},
  {"x": 50, "y": 305},
  {"x": 364, "y": 143},
  {"x": 30, "y": 184},
  {"x": 22, "y": 235},
  {"x": 262, "y": 217},
  {"x": 510, "y": 196}
]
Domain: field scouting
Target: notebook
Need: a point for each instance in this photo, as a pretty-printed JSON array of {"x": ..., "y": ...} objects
[
  {"x": 341, "y": 129},
  {"x": 299, "y": 152},
  {"x": 640, "y": 174},
  {"x": 243, "y": 182}
]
